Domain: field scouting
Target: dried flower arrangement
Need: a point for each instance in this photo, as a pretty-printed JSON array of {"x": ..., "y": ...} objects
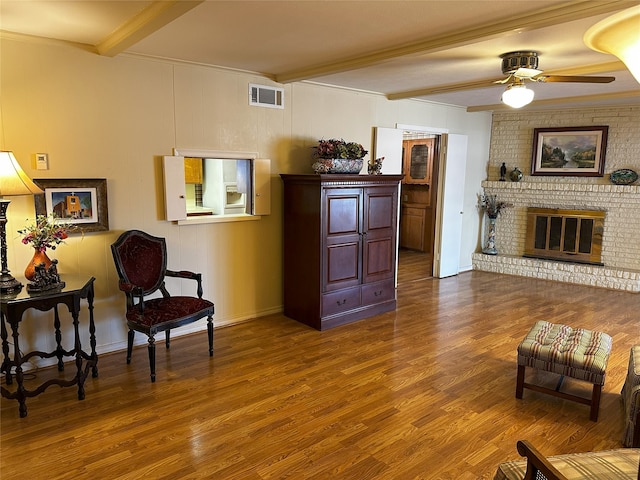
[
  {"x": 46, "y": 232},
  {"x": 491, "y": 205}
]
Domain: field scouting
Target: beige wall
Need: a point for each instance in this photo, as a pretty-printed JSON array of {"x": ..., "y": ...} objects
[{"x": 114, "y": 118}]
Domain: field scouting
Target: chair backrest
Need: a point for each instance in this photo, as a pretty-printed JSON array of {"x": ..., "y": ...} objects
[
  {"x": 141, "y": 259},
  {"x": 538, "y": 467}
]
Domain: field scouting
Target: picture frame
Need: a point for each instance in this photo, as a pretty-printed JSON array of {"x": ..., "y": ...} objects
[
  {"x": 569, "y": 151},
  {"x": 81, "y": 202}
]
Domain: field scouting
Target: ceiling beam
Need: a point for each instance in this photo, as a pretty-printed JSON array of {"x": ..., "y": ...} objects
[
  {"x": 149, "y": 20},
  {"x": 491, "y": 82},
  {"x": 448, "y": 88},
  {"x": 557, "y": 101},
  {"x": 36, "y": 39},
  {"x": 554, "y": 15}
]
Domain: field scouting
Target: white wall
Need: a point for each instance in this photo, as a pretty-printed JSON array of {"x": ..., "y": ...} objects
[{"x": 114, "y": 118}]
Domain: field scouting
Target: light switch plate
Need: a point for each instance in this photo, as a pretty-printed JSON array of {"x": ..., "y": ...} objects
[{"x": 42, "y": 161}]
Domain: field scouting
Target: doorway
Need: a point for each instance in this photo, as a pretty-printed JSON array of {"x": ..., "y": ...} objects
[
  {"x": 446, "y": 190},
  {"x": 418, "y": 205}
]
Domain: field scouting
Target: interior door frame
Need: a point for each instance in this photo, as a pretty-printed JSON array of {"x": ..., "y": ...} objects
[
  {"x": 439, "y": 167},
  {"x": 437, "y": 211}
]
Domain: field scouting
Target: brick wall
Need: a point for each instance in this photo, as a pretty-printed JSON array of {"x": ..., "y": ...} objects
[{"x": 512, "y": 143}]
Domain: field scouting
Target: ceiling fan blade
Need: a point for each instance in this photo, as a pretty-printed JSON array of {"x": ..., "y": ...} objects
[{"x": 570, "y": 78}]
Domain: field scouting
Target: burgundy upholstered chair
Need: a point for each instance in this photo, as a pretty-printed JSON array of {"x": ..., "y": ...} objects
[{"x": 141, "y": 262}]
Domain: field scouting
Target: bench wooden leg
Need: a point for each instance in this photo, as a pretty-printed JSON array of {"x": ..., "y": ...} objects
[
  {"x": 595, "y": 402},
  {"x": 520, "y": 381}
]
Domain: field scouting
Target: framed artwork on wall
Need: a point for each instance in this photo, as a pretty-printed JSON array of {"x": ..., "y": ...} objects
[
  {"x": 82, "y": 202},
  {"x": 570, "y": 151}
]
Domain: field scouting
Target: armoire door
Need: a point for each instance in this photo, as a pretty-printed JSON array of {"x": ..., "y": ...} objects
[
  {"x": 379, "y": 233},
  {"x": 342, "y": 238}
]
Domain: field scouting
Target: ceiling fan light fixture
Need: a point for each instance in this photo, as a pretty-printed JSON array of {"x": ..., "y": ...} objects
[
  {"x": 517, "y": 95},
  {"x": 618, "y": 35}
]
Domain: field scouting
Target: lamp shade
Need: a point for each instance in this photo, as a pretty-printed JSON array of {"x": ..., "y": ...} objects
[
  {"x": 618, "y": 35},
  {"x": 517, "y": 96},
  {"x": 13, "y": 180}
]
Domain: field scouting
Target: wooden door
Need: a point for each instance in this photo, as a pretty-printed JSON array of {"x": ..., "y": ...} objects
[
  {"x": 342, "y": 236},
  {"x": 379, "y": 237}
]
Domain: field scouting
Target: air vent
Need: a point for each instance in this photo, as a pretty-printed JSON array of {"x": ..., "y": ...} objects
[{"x": 264, "y": 96}]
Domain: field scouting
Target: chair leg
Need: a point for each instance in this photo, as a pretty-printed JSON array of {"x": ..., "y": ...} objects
[
  {"x": 152, "y": 357},
  {"x": 595, "y": 402},
  {"x": 210, "y": 334},
  {"x": 520, "y": 381},
  {"x": 129, "y": 345},
  {"x": 167, "y": 339}
]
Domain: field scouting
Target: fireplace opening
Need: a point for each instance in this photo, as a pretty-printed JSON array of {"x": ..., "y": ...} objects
[{"x": 566, "y": 235}]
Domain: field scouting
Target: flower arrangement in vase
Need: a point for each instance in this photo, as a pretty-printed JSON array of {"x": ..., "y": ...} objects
[
  {"x": 46, "y": 232},
  {"x": 338, "y": 156},
  {"x": 492, "y": 207}
]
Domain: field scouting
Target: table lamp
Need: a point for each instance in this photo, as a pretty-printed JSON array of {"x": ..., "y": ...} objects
[{"x": 13, "y": 181}]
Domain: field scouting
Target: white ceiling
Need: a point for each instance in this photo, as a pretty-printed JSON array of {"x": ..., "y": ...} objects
[{"x": 395, "y": 48}]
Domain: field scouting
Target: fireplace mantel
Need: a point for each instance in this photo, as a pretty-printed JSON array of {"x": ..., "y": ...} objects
[{"x": 541, "y": 186}]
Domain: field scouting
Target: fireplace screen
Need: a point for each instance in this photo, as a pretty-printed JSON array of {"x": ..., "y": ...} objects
[{"x": 567, "y": 235}]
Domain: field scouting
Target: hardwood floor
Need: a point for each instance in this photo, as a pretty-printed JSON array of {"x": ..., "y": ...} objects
[
  {"x": 425, "y": 392},
  {"x": 414, "y": 266}
]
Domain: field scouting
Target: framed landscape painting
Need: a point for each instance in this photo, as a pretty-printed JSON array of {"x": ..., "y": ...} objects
[
  {"x": 571, "y": 151},
  {"x": 82, "y": 202}
]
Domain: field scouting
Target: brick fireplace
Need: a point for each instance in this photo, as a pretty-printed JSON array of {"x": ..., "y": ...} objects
[
  {"x": 620, "y": 255},
  {"x": 512, "y": 144}
]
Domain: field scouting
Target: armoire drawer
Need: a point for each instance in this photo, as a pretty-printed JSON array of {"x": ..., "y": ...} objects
[
  {"x": 340, "y": 301},
  {"x": 378, "y": 292}
]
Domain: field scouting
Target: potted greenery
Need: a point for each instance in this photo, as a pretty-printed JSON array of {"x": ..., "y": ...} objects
[{"x": 338, "y": 156}]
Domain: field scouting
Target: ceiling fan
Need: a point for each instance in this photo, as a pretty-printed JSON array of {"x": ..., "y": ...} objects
[{"x": 521, "y": 66}]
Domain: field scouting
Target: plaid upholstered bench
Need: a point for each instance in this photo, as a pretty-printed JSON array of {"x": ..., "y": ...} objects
[
  {"x": 619, "y": 464},
  {"x": 572, "y": 352}
]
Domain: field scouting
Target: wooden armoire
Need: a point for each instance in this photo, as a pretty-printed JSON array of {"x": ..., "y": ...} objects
[{"x": 340, "y": 247}]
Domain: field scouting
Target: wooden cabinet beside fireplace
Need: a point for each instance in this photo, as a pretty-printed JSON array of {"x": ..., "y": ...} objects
[{"x": 339, "y": 247}]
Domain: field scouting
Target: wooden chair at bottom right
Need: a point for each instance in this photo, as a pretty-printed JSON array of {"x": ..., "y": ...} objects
[{"x": 621, "y": 464}]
